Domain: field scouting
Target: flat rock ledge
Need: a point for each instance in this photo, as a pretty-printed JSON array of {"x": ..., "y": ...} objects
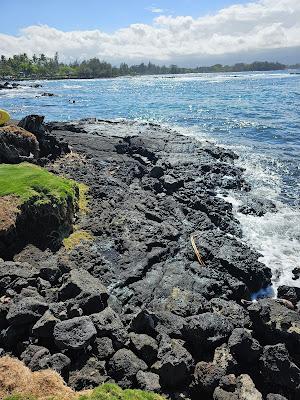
[{"x": 156, "y": 300}]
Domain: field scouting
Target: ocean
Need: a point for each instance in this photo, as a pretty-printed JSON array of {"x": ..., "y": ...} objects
[{"x": 255, "y": 114}]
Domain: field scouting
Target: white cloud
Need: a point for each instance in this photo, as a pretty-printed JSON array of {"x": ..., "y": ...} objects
[
  {"x": 235, "y": 31},
  {"x": 155, "y": 10}
]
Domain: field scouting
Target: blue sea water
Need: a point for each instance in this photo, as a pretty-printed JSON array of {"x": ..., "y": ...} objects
[{"x": 256, "y": 114}]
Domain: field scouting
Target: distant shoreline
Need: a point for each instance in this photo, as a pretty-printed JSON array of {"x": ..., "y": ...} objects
[{"x": 60, "y": 78}]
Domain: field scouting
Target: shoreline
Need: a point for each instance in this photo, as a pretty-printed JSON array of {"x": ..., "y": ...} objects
[
  {"x": 162, "y": 277},
  {"x": 34, "y": 79}
]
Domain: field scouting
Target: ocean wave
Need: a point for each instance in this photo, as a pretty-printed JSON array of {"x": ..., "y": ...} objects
[{"x": 65, "y": 86}]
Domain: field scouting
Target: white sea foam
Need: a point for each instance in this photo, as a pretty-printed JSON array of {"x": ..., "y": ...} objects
[
  {"x": 276, "y": 235},
  {"x": 65, "y": 86}
]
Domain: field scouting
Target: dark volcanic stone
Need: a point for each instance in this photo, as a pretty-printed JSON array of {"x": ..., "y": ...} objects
[
  {"x": 206, "y": 331},
  {"x": 273, "y": 396},
  {"x": 289, "y": 293},
  {"x": 33, "y": 355},
  {"x": 151, "y": 191},
  {"x": 148, "y": 381},
  {"x": 108, "y": 323},
  {"x": 58, "y": 362},
  {"x": 124, "y": 365},
  {"x": 235, "y": 258},
  {"x": 104, "y": 346},
  {"x": 206, "y": 378},
  {"x": 144, "y": 346},
  {"x": 90, "y": 294},
  {"x": 278, "y": 369},
  {"x": 174, "y": 363},
  {"x": 91, "y": 375},
  {"x": 274, "y": 322},
  {"x": 45, "y": 325},
  {"x": 243, "y": 389},
  {"x": 255, "y": 206},
  {"x": 26, "y": 310},
  {"x": 243, "y": 347},
  {"x": 75, "y": 333}
]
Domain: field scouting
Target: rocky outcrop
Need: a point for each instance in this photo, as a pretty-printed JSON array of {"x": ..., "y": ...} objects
[
  {"x": 50, "y": 147},
  {"x": 37, "y": 207},
  {"x": 17, "y": 145},
  {"x": 156, "y": 300}
]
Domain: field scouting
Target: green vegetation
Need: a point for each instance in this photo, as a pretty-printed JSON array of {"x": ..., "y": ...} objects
[
  {"x": 21, "y": 66},
  {"x": 77, "y": 238},
  {"x": 107, "y": 391},
  {"x": 35, "y": 184}
]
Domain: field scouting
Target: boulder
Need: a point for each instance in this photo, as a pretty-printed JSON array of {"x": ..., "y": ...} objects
[
  {"x": 206, "y": 331},
  {"x": 58, "y": 362},
  {"x": 144, "y": 346},
  {"x": 206, "y": 378},
  {"x": 156, "y": 172},
  {"x": 43, "y": 328},
  {"x": 26, "y": 310},
  {"x": 109, "y": 324},
  {"x": 172, "y": 184},
  {"x": 278, "y": 369},
  {"x": 244, "y": 347},
  {"x": 91, "y": 375},
  {"x": 12, "y": 335},
  {"x": 257, "y": 206},
  {"x": 274, "y": 322},
  {"x": 104, "y": 348},
  {"x": 234, "y": 258},
  {"x": 174, "y": 363},
  {"x": 243, "y": 388},
  {"x": 234, "y": 312},
  {"x": 224, "y": 359},
  {"x": 123, "y": 367},
  {"x": 289, "y": 293},
  {"x": 75, "y": 333},
  {"x": 90, "y": 294},
  {"x": 50, "y": 147},
  {"x": 11, "y": 271},
  {"x": 33, "y": 355},
  {"x": 17, "y": 145},
  {"x": 148, "y": 381}
]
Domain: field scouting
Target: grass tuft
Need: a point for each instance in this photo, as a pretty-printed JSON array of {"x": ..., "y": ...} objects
[
  {"x": 77, "y": 238},
  {"x": 83, "y": 200}
]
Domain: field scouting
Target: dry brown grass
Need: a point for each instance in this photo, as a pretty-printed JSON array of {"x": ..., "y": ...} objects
[
  {"x": 16, "y": 130},
  {"x": 16, "y": 378},
  {"x": 9, "y": 210}
]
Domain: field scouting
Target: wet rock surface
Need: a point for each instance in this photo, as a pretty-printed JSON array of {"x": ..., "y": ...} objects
[{"x": 155, "y": 299}]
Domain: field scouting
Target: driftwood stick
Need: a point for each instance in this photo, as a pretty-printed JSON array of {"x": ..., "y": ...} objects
[{"x": 198, "y": 255}]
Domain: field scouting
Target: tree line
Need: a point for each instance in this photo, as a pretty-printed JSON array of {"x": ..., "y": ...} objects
[{"x": 22, "y": 66}]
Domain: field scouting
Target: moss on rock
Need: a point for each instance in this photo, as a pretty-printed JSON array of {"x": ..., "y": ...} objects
[{"x": 46, "y": 205}]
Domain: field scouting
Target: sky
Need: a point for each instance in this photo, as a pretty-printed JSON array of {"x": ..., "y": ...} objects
[{"x": 186, "y": 32}]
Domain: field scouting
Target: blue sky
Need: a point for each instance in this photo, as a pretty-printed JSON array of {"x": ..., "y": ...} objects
[
  {"x": 185, "y": 32},
  {"x": 108, "y": 15}
]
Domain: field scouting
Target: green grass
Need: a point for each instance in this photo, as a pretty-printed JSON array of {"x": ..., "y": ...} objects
[
  {"x": 107, "y": 391},
  {"x": 37, "y": 185},
  {"x": 110, "y": 391}
]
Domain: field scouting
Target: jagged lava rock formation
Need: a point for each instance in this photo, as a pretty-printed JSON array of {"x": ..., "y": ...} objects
[{"x": 136, "y": 304}]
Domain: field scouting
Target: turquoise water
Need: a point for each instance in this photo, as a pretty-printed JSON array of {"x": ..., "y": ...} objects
[{"x": 255, "y": 114}]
